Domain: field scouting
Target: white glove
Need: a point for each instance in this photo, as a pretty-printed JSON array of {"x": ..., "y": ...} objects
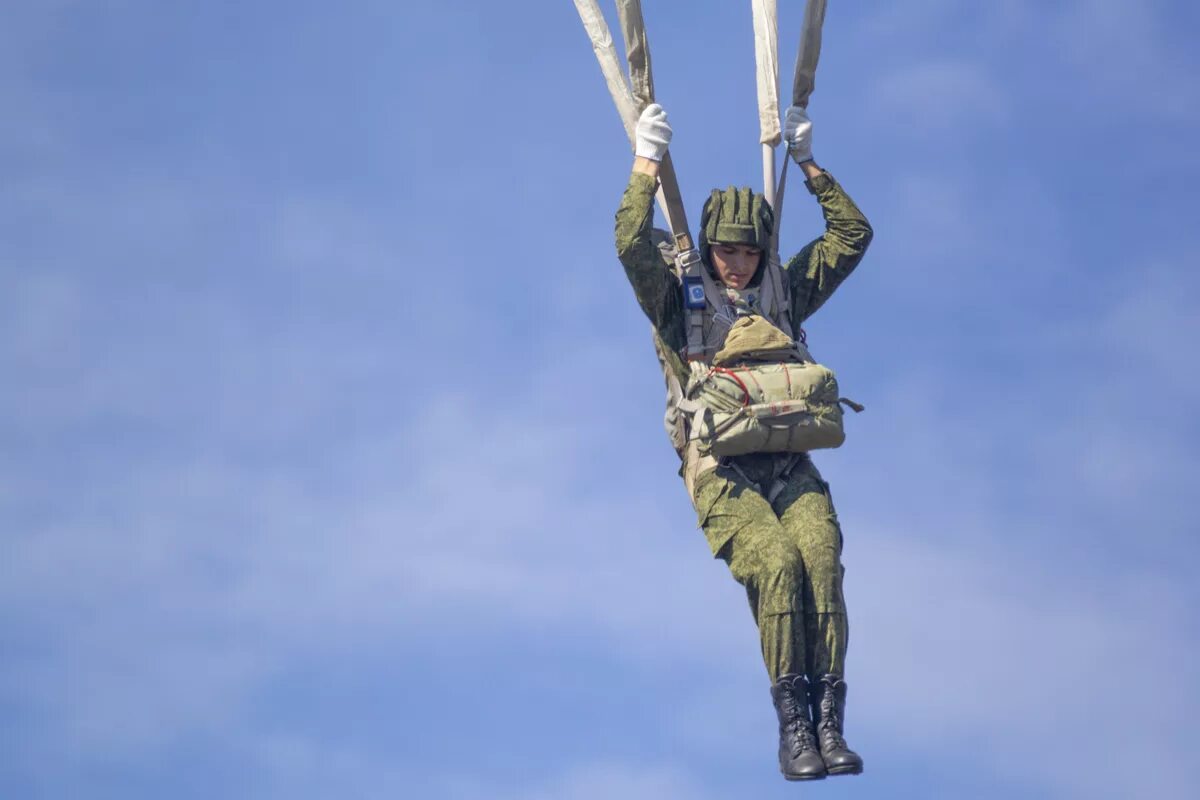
[
  {"x": 653, "y": 133},
  {"x": 797, "y": 132}
]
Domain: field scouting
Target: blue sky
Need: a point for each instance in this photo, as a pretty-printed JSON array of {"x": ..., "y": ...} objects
[{"x": 331, "y": 462}]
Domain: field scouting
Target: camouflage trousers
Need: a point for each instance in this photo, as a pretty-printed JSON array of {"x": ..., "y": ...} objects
[{"x": 787, "y": 553}]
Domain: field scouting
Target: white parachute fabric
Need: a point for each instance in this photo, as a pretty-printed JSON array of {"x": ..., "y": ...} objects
[
  {"x": 766, "y": 58},
  {"x": 810, "y": 52}
]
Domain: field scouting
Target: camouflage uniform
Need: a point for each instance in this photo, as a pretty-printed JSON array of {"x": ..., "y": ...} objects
[{"x": 787, "y": 553}]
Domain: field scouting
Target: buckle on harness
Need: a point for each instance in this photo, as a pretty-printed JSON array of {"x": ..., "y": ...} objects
[{"x": 688, "y": 261}]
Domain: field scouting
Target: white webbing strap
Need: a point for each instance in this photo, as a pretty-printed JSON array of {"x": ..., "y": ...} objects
[
  {"x": 778, "y": 206},
  {"x": 766, "y": 60},
  {"x": 802, "y": 85},
  {"x": 810, "y": 52},
  {"x": 781, "y": 480},
  {"x": 637, "y": 51}
]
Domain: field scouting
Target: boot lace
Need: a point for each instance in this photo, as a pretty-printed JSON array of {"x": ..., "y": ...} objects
[
  {"x": 797, "y": 728},
  {"x": 800, "y": 737},
  {"x": 830, "y": 725}
]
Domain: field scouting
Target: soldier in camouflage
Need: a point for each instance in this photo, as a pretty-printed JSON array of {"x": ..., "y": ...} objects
[{"x": 770, "y": 517}]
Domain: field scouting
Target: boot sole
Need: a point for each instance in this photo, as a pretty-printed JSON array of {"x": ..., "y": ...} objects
[
  {"x": 844, "y": 771},
  {"x": 804, "y": 777}
]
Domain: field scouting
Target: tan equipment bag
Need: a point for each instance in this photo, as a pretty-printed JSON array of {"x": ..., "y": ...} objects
[{"x": 763, "y": 394}]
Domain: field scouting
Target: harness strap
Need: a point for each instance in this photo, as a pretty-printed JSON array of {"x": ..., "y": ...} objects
[
  {"x": 781, "y": 480},
  {"x": 857, "y": 408},
  {"x": 698, "y": 289},
  {"x": 778, "y": 206}
]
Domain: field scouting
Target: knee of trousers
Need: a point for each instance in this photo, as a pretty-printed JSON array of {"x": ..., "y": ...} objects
[
  {"x": 777, "y": 577},
  {"x": 823, "y": 590}
]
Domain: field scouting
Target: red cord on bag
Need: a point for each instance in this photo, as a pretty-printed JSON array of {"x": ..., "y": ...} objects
[{"x": 733, "y": 376}]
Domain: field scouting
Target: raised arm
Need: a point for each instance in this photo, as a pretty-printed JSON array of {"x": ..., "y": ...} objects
[
  {"x": 821, "y": 266},
  {"x": 655, "y": 287}
]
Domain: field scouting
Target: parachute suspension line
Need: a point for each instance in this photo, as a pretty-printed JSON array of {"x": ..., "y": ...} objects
[{"x": 803, "y": 82}]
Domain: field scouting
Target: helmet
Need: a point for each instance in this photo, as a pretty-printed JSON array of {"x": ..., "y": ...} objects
[{"x": 736, "y": 216}]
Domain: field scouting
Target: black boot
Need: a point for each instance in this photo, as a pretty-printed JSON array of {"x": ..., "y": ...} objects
[
  {"x": 828, "y": 697},
  {"x": 799, "y": 758}
]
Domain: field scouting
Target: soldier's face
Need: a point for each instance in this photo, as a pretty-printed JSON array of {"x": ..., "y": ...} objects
[{"x": 735, "y": 263}]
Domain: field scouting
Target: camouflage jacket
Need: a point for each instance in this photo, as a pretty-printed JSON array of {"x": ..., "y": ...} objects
[{"x": 813, "y": 274}]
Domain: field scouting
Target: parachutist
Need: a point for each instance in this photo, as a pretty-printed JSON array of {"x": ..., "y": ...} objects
[
  {"x": 747, "y": 405},
  {"x": 746, "y": 402}
]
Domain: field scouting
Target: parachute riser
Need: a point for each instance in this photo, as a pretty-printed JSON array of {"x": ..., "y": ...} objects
[{"x": 766, "y": 38}]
